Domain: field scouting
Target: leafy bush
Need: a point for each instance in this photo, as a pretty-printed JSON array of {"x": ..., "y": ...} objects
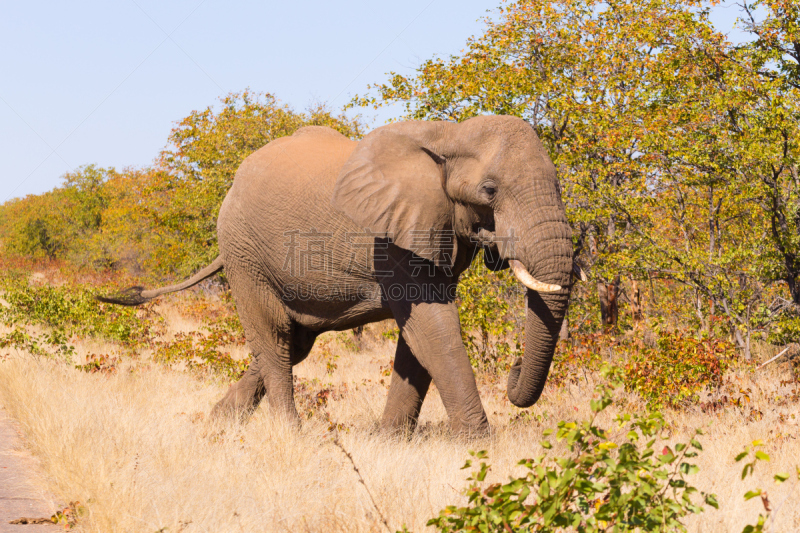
[
  {"x": 577, "y": 357},
  {"x": 392, "y": 334},
  {"x": 677, "y": 368},
  {"x": 59, "y": 223},
  {"x": 199, "y": 351},
  {"x": 104, "y": 364},
  {"x": 598, "y": 486},
  {"x": 756, "y": 456},
  {"x": 489, "y": 303},
  {"x": 785, "y": 330},
  {"x": 53, "y": 344},
  {"x": 72, "y": 309}
]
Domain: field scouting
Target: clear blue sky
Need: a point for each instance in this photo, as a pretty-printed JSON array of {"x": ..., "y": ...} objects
[{"x": 104, "y": 81}]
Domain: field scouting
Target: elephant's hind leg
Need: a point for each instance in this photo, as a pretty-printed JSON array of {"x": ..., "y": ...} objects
[
  {"x": 269, "y": 333},
  {"x": 243, "y": 396}
]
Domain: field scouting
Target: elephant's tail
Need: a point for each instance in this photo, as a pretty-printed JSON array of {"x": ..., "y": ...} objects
[{"x": 137, "y": 295}]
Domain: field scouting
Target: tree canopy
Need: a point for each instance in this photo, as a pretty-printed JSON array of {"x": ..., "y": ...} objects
[
  {"x": 677, "y": 152},
  {"x": 677, "y": 149},
  {"x": 160, "y": 219}
]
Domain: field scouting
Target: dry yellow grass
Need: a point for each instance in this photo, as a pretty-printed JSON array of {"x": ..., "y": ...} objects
[{"x": 136, "y": 448}]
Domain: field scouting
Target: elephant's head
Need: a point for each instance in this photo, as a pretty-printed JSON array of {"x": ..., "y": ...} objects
[{"x": 487, "y": 180}]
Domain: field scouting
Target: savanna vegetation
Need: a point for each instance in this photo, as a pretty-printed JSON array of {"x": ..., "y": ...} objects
[{"x": 678, "y": 153}]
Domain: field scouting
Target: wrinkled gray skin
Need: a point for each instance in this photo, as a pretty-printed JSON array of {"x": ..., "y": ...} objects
[{"x": 485, "y": 178}]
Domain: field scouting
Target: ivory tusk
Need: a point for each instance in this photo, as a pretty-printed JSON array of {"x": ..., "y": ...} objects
[
  {"x": 529, "y": 281},
  {"x": 579, "y": 272}
]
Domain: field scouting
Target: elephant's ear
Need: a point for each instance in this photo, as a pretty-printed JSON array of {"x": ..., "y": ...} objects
[{"x": 394, "y": 187}]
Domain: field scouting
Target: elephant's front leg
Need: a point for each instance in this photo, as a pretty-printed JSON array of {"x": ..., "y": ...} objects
[
  {"x": 433, "y": 333},
  {"x": 410, "y": 383}
]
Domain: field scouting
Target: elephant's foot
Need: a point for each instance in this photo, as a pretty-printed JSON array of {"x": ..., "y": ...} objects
[
  {"x": 471, "y": 430},
  {"x": 241, "y": 399},
  {"x": 287, "y": 417},
  {"x": 402, "y": 426},
  {"x": 468, "y": 423},
  {"x": 400, "y": 415},
  {"x": 239, "y": 403},
  {"x": 281, "y": 398}
]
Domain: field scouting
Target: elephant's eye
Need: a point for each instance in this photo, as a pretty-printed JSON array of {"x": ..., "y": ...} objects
[{"x": 489, "y": 191}]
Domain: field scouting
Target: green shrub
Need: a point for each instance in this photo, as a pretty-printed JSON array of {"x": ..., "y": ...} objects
[
  {"x": 756, "y": 456},
  {"x": 785, "y": 330},
  {"x": 53, "y": 344},
  {"x": 104, "y": 364},
  {"x": 392, "y": 334},
  {"x": 599, "y": 485},
  {"x": 576, "y": 358},
  {"x": 72, "y": 309},
  {"x": 199, "y": 351},
  {"x": 677, "y": 368},
  {"x": 489, "y": 304}
]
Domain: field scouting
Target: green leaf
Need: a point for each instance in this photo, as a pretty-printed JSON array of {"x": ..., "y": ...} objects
[
  {"x": 711, "y": 499},
  {"x": 749, "y": 495},
  {"x": 741, "y": 456}
]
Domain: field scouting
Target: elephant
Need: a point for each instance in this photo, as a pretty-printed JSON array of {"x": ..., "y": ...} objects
[{"x": 319, "y": 232}]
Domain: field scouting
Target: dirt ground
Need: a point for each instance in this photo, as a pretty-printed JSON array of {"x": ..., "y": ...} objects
[{"x": 21, "y": 482}]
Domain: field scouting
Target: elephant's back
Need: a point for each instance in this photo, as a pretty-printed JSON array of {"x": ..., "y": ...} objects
[
  {"x": 290, "y": 176},
  {"x": 285, "y": 188},
  {"x": 293, "y": 164}
]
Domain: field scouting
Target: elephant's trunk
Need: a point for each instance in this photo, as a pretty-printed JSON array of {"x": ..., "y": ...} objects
[{"x": 544, "y": 314}]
